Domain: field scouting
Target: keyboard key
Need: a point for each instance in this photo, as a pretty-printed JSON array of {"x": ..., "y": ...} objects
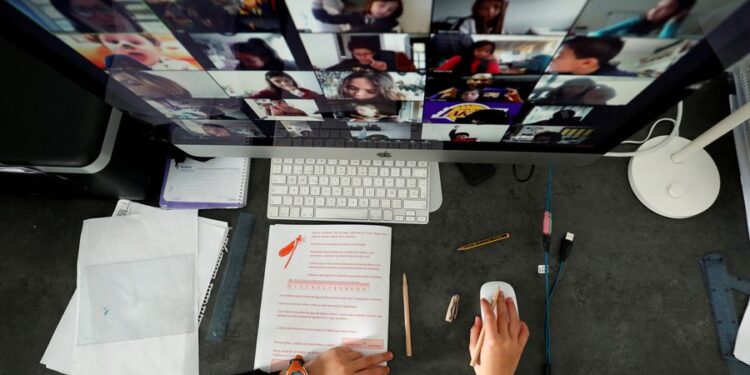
[
  {"x": 354, "y": 162},
  {"x": 366, "y": 162},
  {"x": 421, "y": 219},
  {"x": 309, "y": 201},
  {"x": 422, "y": 164},
  {"x": 299, "y": 161},
  {"x": 291, "y": 180},
  {"x": 385, "y": 203},
  {"x": 319, "y": 170},
  {"x": 359, "y": 192},
  {"x": 313, "y": 180},
  {"x": 396, "y": 203},
  {"x": 411, "y": 183},
  {"x": 348, "y": 192},
  {"x": 377, "y": 163},
  {"x": 324, "y": 180},
  {"x": 326, "y": 191},
  {"x": 315, "y": 191},
  {"x": 391, "y": 193},
  {"x": 273, "y": 211},
  {"x": 367, "y": 182},
  {"x": 378, "y": 182},
  {"x": 279, "y": 190},
  {"x": 288, "y": 201},
  {"x": 346, "y": 181},
  {"x": 406, "y": 172},
  {"x": 299, "y": 201},
  {"x": 414, "y": 194},
  {"x": 387, "y": 215},
  {"x": 369, "y": 192},
  {"x": 297, "y": 169},
  {"x": 384, "y": 172},
  {"x": 400, "y": 182},
  {"x": 330, "y": 202},
  {"x": 341, "y": 214},
  {"x": 276, "y": 169},
  {"x": 320, "y": 161},
  {"x": 330, "y": 170},
  {"x": 276, "y": 161},
  {"x": 343, "y": 162},
  {"x": 341, "y": 202},
  {"x": 307, "y": 213},
  {"x": 400, "y": 163},
  {"x": 341, "y": 171},
  {"x": 372, "y": 172},
  {"x": 380, "y": 193},
  {"x": 411, "y": 163},
  {"x": 403, "y": 194},
  {"x": 420, "y": 173},
  {"x": 376, "y": 215},
  {"x": 336, "y": 191},
  {"x": 351, "y": 202},
  {"x": 351, "y": 171},
  {"x": 286, "y": 169},
  {"x": 332, "y": 162},
  {"x": 335, "y": 181},
  {"x": 288, "y": 160},
  {"x": 284, "y": 211},
  {"x": 388, "y": 163},
  {"x": 362, "y": 171},
  {"x": 375, "y": 203},
  {"x": 415, "y": 205},
  {"x": 320, "y": 201},
  {"x": 275, "y": 200},
  {"x": 309, "y": 169},
  {"x": 295, "y": 212},
  {"x": 395, "y": 172},
  {"x": 302, "y": 180},
  {"x": 363, "y": 202},
  {"x": 399, "y": 218},
  {"x": 293, "y": 190},
  {"x": 310, "y": 161},
  {"x": 356, "y": 181},
  {"x": 410, "y": 219},
  {"x": 278, "y": 179}
]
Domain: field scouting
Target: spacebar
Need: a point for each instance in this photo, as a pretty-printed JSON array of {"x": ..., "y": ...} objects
[{"x": 336, "y": 213}]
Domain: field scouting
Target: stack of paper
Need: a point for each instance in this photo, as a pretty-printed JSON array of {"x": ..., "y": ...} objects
[
  {"x": 142, "y": 282},
  {"x": 324, "y": 286},
  {"x": 216, "y": 183}
]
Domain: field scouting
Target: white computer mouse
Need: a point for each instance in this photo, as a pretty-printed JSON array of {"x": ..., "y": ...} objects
[{"x": 489, "y": 288}]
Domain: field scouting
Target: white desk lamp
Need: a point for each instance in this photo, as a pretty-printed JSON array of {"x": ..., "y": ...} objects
[{"x": 680, "y": 180}]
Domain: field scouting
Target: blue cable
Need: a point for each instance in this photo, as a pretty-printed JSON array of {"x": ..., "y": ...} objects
[{"x": 547, "y": 293}]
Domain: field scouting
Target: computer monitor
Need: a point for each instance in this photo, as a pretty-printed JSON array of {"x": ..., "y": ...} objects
[{"x": 532, "y": 81}]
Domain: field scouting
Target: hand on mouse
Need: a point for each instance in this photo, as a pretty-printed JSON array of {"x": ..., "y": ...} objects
[
  {"x": 345, "y": 361},
  {"x": 505, "y": 337}
]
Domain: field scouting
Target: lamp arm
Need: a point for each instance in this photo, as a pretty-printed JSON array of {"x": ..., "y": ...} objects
[{"x": 715, "y": 132}]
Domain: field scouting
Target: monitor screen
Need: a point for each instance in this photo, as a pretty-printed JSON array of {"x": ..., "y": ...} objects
[{"x": 518, "y": 75}]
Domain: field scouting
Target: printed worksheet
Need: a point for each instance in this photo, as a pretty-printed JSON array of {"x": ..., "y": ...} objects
[{"x": 324, "y": 286}]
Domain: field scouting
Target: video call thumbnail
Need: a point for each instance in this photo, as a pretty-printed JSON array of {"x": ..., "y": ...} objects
[
  {"x": 220, "y": 128},
  {"x": 293, "y": 129},
  {"x": 169, "y": 84},
  {"x": 132, "y": 51},
  {"x": 464, "y": 54},
  {"x": 361, "y": 16},
  {"x": 372, "y": 86},
  {"x": 648, "y": 18},
  {"x": 269, "y": 85},
  {"x": 391, "y": 111},
  {"x": 285, "y": 109},
  {"x": 222, "y": 16},
  {"x": 379, "y": 131},
  {"x": 471, "y": 113},
  {"x": 557, "y": 115},
  {"x": 587, "y": 90},
  {"x": 360, "y": 52},
  {"x": 245, "y": 51},
  {"x": 616, "y": 56},
  {"x": 547, "y": 135},
  {"x": 197, "y": 109},
  {"x": 463, "y": 133},
  {"x": 120, "y": 16},
  {"x": 537, "y": 17},
  {"x": 480, "y": 87}
]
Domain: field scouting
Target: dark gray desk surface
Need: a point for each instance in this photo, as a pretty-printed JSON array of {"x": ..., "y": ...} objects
[{"x": 632, "y": 299}]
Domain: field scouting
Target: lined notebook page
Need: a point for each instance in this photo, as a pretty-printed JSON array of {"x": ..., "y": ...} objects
[{"x": 219, "y": 181}]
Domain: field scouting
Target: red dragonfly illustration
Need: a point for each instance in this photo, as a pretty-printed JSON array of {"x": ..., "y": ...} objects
[{"x": 290, "y": 249}]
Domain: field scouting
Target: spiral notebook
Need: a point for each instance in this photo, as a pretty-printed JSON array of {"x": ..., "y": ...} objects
[{"x": 216, "y": 183}]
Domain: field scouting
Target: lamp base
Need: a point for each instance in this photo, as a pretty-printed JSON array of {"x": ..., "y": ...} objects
[{"x": 673, "y": 190}]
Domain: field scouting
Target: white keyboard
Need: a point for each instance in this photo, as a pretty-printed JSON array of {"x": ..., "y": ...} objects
[{"x": 374, "y": 191}]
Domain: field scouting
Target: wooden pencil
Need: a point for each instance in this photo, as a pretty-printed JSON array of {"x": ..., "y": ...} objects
[
  {"x": 407, "y": 319},
  {"x": 480, "y": 339}
]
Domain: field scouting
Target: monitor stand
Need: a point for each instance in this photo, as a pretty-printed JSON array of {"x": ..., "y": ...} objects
[{"x": 436, "y": 188}]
